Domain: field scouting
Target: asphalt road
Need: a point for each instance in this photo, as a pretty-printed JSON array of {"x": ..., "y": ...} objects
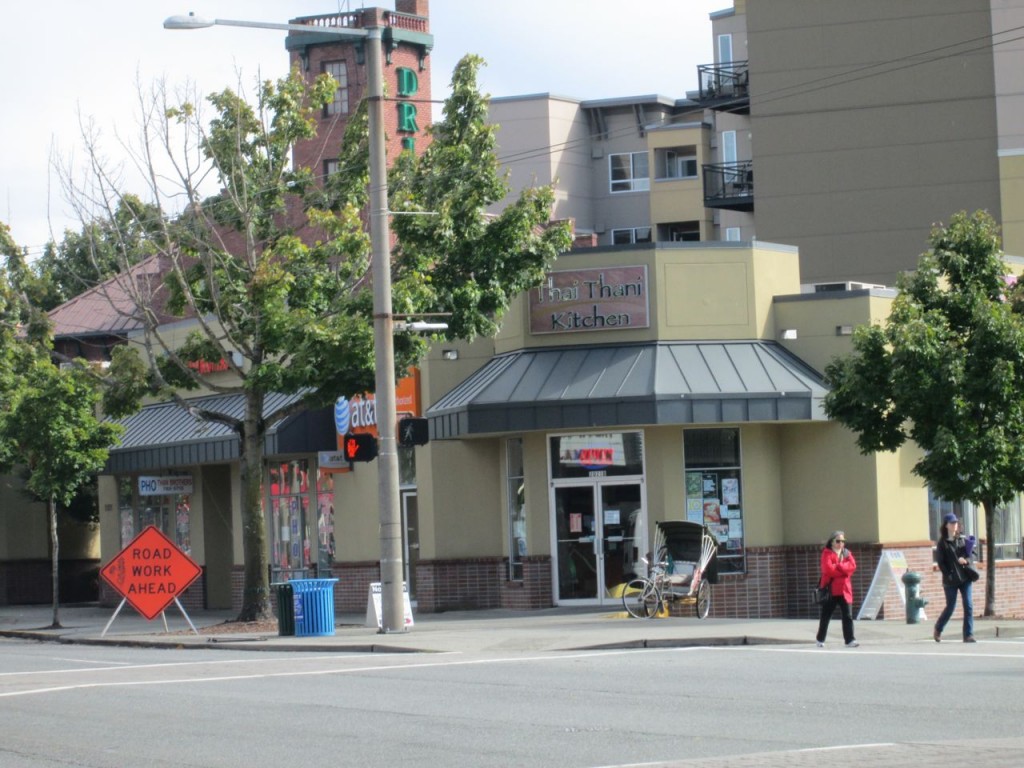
[{"x": 106, "y": 706}]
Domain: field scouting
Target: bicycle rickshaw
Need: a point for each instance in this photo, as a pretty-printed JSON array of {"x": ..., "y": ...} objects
[{"x": 685, "y": 567}]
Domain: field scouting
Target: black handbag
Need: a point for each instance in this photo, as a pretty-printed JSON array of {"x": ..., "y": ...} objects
[
  {"x": 821, "y": 594},
  {"x": 971, "y": 573}
]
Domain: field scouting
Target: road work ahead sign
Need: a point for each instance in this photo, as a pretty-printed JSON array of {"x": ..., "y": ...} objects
[{"x": 150, "y": 572}]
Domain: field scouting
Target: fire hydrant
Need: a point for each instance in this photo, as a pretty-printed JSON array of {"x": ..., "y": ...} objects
[{"x": 915, "y": 603}]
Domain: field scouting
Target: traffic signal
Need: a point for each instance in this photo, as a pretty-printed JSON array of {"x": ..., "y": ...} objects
[
  {"x": 413, "y": 432},
  {"x": 360, "y": 447}
]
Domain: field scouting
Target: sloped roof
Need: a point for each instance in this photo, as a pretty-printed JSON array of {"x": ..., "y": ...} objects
[
  {"x": 109, "y": 308},
  {"x": 167, "y": 435},
  {"x": 608, "y": 386}
]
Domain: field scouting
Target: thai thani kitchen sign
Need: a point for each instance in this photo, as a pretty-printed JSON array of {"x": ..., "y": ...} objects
[{"x": 601, "y": 299}]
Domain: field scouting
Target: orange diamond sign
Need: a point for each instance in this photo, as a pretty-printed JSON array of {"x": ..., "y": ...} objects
[{"x": 150, "y": 572}]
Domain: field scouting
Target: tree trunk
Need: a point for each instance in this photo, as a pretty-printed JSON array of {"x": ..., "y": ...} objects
[
  {"x": 989, "y": 506},
  {"x": 55, "y": 554},
  {"x": 256, "y": 586}
]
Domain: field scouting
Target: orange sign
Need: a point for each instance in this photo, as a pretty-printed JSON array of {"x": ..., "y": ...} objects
[
  {"x": 360, "y": 411},
  {"x": 150, "y": 572}
]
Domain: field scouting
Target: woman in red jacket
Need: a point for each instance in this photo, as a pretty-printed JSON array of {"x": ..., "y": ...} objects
[{"x": 837, "y": 566}]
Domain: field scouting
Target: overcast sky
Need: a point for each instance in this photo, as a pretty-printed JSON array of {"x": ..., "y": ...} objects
[{"x": 65, "y": 58}]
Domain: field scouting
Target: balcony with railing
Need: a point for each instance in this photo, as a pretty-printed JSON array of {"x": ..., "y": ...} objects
[
  {"x": 729, "y": 185},
  {"x": 725, "y": 86},
  {"x": 398, "y": 27},
  {"x": 356, "y": 19}
]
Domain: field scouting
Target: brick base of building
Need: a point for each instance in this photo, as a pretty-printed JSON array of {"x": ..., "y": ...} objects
[
  {"x": 30, "y": 582},
  {"x": 776, "y": 584}
]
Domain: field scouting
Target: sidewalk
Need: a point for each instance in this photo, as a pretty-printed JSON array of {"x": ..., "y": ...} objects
[{"x": 488, "y": 631}]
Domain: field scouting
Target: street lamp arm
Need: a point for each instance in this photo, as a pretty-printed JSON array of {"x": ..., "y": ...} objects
[{"x": 198, "y": 22}]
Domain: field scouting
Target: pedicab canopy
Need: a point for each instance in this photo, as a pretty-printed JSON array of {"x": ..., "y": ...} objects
[{"x": 684, "y": 541}]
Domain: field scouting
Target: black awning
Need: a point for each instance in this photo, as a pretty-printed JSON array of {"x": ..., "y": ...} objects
[
  {"x": 610, "y": 386},
  {"x": 167, "y": 435}
]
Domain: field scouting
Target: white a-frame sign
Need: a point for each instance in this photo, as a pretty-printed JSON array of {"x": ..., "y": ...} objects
[{"x": 890, "y": 571}]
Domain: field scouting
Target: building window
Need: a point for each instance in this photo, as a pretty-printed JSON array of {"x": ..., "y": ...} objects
[
  {"x": 732, "y": 234},
  {"x": 331, "y": 167},
  {"x": 338, "y": 105},
  {"x": 679, "y": 163},
  {"x": 614, "y": 454},
  {"x": 290, "y": 542},
  {"x": 170, "y": 513},
  {"x": 714, "y": 491},
  {"x": 629, "y": 172},
  {"x": 516, "y": 500},
  {"x": 1006, "y": 531},
  {"x": 1006, "y": 527},
  {"x": 630, "y": 235},
  {"x": 683, "y": 232},
  {"x": 728, "y": 146},
  {"x": 325, "y": 519}
]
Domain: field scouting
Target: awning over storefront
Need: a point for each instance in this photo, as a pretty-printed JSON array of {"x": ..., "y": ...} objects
[
  {"x": 611, "y": 386},
  {"x": 167, "y": 435}
]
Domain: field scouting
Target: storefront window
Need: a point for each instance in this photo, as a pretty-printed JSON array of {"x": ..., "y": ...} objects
[
  {"x": 1007, "y": 531},
  {"x": 612, "y": 454},
  {"x": 290, "y": 519},
  {"x": 1006, "y": 526},
  {"x": 144, "y": 501},
  {"x": 516, "y": 508},
  {"x": 325, "y": 518},
  {"x": 126, "y": 509},
  {"x": 939, "y": 508},
  {"x": 714, "y": 491}
]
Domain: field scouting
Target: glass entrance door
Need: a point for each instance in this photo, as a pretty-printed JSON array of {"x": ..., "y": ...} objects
[{"x": 597, "y": 525}]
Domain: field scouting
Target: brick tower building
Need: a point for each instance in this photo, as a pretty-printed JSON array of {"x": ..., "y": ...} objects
[{"x": 406, "y": 43}]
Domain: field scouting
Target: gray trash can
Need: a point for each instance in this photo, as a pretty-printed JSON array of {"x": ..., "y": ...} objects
[
  {"x": 314, "y": 606},
  {"x": 285, "y": 608}
]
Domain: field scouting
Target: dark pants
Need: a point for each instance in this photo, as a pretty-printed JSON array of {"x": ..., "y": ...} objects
[
  {"x": 965, "y": 593},
  {"x": 827, "y": 609}
]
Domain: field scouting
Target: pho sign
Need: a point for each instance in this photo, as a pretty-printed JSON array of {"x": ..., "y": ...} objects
[
  {"x": 150, "y": 572},
  {"x": 165, "y": 485}
]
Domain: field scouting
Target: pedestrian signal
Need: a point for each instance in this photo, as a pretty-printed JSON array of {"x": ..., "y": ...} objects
[
  {"x": 361, "y": 447},
  {"x": 413, "y": 432}
]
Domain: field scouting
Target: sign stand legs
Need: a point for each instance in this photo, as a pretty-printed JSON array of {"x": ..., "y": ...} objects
[
  {"x": 182, "y": 609},
  {"x": 163, "y": 615},
  {"x": 119, "y": 607}
]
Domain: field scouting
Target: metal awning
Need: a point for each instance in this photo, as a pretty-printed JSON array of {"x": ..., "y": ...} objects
[
  {"x": 167, "y": 435},
  {"x": 614, "y": 386}
]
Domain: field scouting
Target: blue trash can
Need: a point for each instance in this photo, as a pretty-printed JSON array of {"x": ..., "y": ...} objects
[{"x": 314, "y": 606}]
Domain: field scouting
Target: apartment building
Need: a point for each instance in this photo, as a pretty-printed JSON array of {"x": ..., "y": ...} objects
[{"x": 862, "y": 125}]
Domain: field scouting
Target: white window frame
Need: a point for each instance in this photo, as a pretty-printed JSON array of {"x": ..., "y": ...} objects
[
  {"x": 725, "y": 49},
  {"x": 337, "y": 69},
  {"x": 732, "y": 234},
  {"x": 635, "y": 182},
  {"x": 636, "y": 235},
  {"x": 516, "y": 504},
  {"x": 728, "y": 145}
]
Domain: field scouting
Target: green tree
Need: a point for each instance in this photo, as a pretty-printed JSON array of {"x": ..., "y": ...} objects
[
  {"x": 946, "y": 370},
  {"x": 57, "y": 435},
  {"x": 48, "y": 416},
  {"x": 102, "y": 248},
  {"x": 298, "y": 311}
]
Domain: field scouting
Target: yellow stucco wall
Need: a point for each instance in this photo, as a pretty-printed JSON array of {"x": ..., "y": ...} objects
[
  {"x": 712, "y": 292},
  {"x": 1011, "y": 192}
]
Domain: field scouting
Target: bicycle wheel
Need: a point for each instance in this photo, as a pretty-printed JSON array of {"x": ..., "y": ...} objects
[
  {"x": 641, "y": 599},
  {"x": 703, "y": 600}
]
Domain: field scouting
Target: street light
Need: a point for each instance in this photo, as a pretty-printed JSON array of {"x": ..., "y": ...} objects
[{"x": 391, "y": 575}]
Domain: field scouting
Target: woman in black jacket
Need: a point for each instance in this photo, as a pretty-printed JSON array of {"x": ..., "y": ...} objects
[{"x": 951, "y": 557}]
